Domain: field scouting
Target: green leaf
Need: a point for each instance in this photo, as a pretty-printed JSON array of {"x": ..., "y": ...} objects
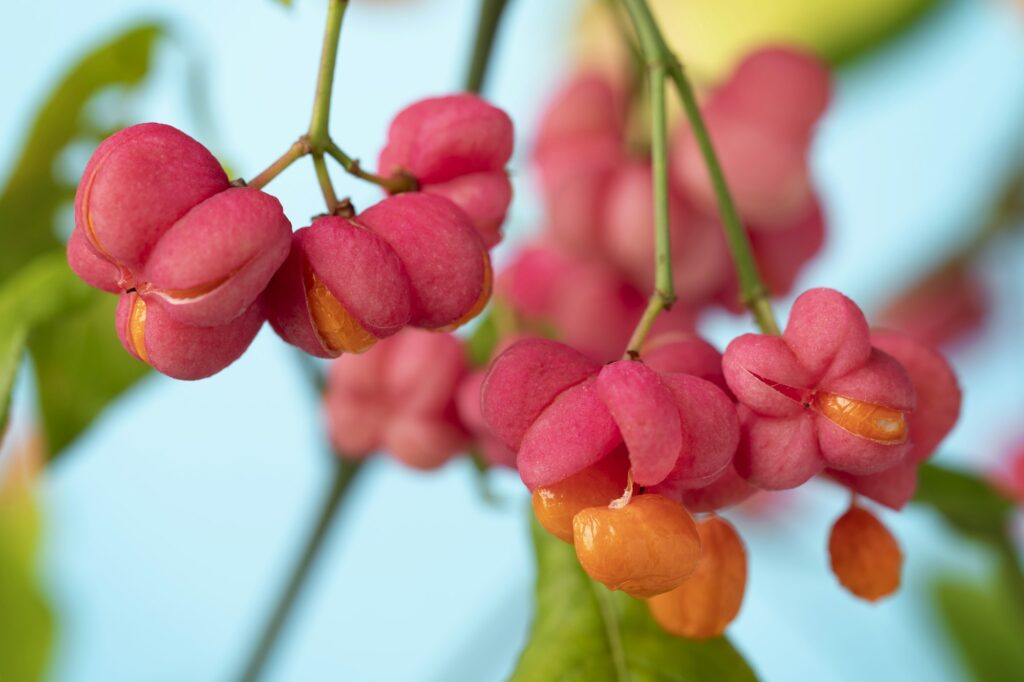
[
  {"x": 80, "y": 367},
  {"x": 480, "y": 344},
  {"x": 34, "y": 194},
  {"x": 967, "y": 503},
  {"x": 985, "y": 626},
  {"x": 26, "y": 624},
  {"x": 43, "y": 289},
  {"x": 583, "y": 632}
]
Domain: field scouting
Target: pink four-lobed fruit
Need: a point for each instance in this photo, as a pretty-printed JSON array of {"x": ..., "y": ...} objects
[
  {"x": 456, "y": 147},
  {"x": 399, "y": 397},
  {"x": 561, "y": 413},
  {"x": 157, "y": 221},
  {"x": 412, "y": 259},
  {"x": 827, "y": 394}
]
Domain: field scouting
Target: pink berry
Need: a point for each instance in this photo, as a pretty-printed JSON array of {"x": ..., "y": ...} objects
[
  {"x": 457, "y": 147},
  {"x": 399, "y": 397},
  {"x": 819, "y": 395},
  {"x": 341, "y": 289},
  {"x": 138, "y": 182},
  {"x": 179, "y": 350}
]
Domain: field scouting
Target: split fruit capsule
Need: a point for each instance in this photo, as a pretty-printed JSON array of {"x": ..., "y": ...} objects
[
  {"x": 706, "y": 602},
  {"x": 645, "y": 548}
]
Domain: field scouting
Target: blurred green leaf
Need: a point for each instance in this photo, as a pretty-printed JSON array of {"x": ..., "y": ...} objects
[
  {"x": 26, "y": 624},
  {"x": 583, "y": 632},
  {"x": 80, "y": 367},
  {"x": 482, "y": 341},
  {"x": 966, "y": 502},
  {"x": 39, "y": 291},
  {"x": 986, "y": 628},
  {"x": 34, "y": 193}
]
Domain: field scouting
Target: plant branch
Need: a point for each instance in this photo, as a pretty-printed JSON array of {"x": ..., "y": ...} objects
[
  {"x": 324, "y": 178},
  {"x": 487, "y": 27},
  {"x": 664, "y": 295},
  {"x": 318, "y": 134},
  {"x": 395, "y": 184},
  {"x": 345, "y": 473},
  {"x": 753, "y": 291},
  {"x": 299, "y": 149}
]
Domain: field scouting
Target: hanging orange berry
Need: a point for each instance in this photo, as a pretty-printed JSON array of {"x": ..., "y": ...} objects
[
  {"x": 644, "y": 548},
  {"x": 597, "y": 485},
  {"x": 865, "y": 556},
  {"x": 707, "y": 601}
]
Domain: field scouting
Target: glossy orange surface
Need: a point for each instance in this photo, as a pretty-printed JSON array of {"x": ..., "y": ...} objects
[
  {"x": 867, "y": 420},
  {"x": 645, "y": 548},
  {"x": 338, "y": 330},
  {"x": 137, "y": 328},
  {"x": 865, "y": 556},
  {"x": 597, "y": 485},
  {"x": 706, "y": 602}
]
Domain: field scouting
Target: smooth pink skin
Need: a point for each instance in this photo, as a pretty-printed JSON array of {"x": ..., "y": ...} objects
[
  {"x": 359, "y": 268},
  {"x": 575, "y": 431},
  {"x": 941, "y": 310},
  {"x": 685, "y": 353},
  {"x": 440, "y": 251},
  {"x": 767, "y": 173},
  {"x": 238, "y": 237},
  {"x": 893, "y": 487},
  {"x": 587, "y": 105},
  {"x": 828, "y": 334},
  {"x": 524, "y": 380},
  {"x": 777, "y": 454},
  {"x": 787, "y": 88},
  {"x": 575, "y": 179},
  {"x": 709, "y": 426},
  {"x": 727, "y": 490},
  {"x": 483, "y": 196},
  {"x": 94, "y": 270},
  {"x": 645, "y": 412},
  {"x": 184, "y": 351},
  {"x": 467, "y": 403},
  {"x": 441, "y": 138},
  {"x": 138, "y": 182},
  {"x": 399, "y": 397},
  {"x": 937, "y": 392},
  {"x": 700, "y": 258}
]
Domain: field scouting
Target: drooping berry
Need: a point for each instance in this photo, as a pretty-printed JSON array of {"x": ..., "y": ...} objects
[
  {"x": 645, "y": 548},
  {"x": 819, "y": 395},
  {"x": 400, "y": 398},
  {"x": 865, "y": 556},
  {"x": 556, "y": 505},
  {"x": 157, "y": 221},
  {"x": 456, "y": 147},
  {"x": 706, "y": 602}
]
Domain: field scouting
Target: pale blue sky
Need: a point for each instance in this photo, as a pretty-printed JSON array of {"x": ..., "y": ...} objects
[{"x": 170, "y": 525}]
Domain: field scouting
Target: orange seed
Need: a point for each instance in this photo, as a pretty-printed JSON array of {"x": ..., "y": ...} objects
[
  {"x": 865, "y": 556},
  {"x": 597, "y": 485}
]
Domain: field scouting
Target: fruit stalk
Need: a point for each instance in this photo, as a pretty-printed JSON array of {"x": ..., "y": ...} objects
[
  {"x": 487, "y": 28},
  {"x": 345, "y": 473},
  {"x": 753, "y": 292}
]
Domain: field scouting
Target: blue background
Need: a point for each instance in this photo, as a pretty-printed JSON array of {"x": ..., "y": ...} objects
[{"x": 172, "y": 523}]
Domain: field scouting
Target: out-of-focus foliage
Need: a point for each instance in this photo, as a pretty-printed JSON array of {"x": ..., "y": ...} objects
[
  {"x": 986, "y": 623},
  {"x": 967, "y": 503},
  {"x": 711, "y": 37},
  {"x": 582, "y": 631},
  {"x": 68, "y": 327},
  {"x": 26, "y": 624}
]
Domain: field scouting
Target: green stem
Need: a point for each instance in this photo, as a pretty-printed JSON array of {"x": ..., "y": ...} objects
[
  {"x": 393, "y": 185},
  {"x": 324, "y": 178},
  {"x": 299, "y": 149},
  {"x": 664, "y": 295},
  {"x": 345, "y": 473},
  {"x": 753, "y": 291},
  {"x": 486, "y": 28},
  {"x": 318, "y": 134}
]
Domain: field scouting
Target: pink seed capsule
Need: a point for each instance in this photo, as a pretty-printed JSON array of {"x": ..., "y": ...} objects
[{"x": 866, "y": 420}]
